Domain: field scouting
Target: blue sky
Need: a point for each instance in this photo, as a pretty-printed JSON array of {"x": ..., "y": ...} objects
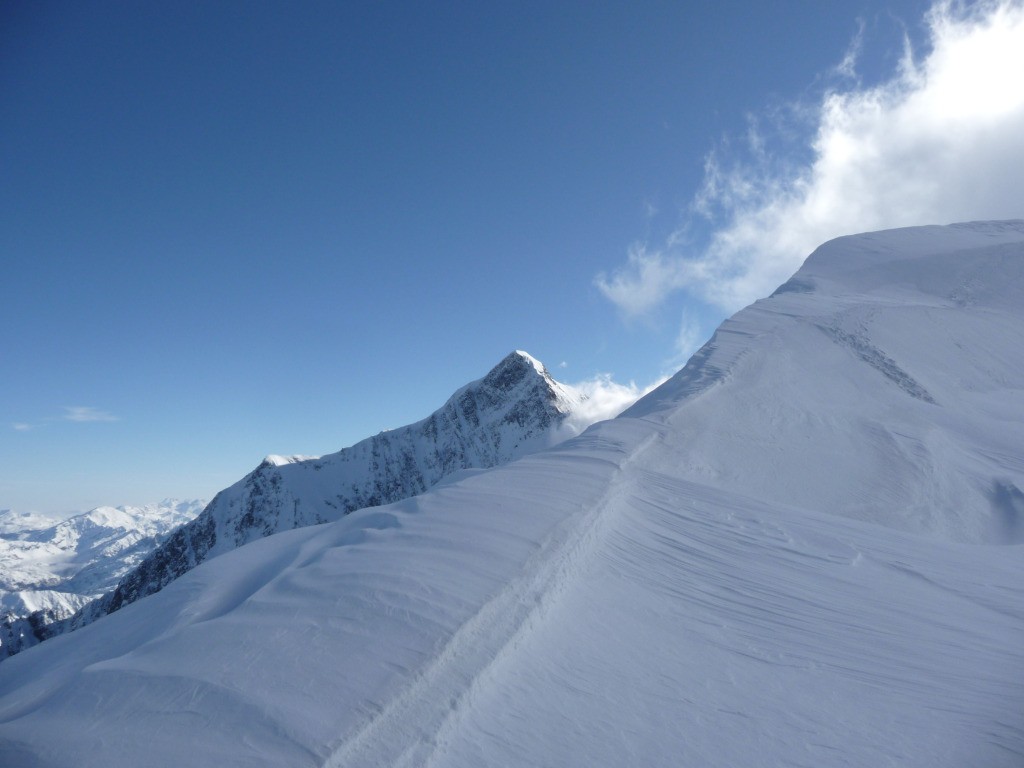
[{"x": 233, "y": 229}]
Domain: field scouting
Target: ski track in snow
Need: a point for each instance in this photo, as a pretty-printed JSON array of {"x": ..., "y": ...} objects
[
  {"x": 409, "y": 729},
  {"x": 801, "y": 613},
  {"x": 786, "y": 603}
]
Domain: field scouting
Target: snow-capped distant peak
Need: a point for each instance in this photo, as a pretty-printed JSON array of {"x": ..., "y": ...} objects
[{"x": 51, "y": 566}]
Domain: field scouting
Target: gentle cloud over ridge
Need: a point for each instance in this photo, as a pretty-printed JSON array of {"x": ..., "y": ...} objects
[
  {"x": 941, "y": 140},
  {"x": 606, "y": 399}
]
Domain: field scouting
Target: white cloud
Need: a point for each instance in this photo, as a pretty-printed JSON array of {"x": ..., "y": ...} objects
[
  {"x": 86, "y": 413},
  {"x": 941, "y": 140},
  {"x": 21, "y": 427},
  {"x": 606, "y": 399}
]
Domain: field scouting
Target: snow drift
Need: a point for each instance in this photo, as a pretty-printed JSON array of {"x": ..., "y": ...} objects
[{"x": 801, "y": 550}]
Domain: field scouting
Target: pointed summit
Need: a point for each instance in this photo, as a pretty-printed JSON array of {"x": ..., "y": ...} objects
[
  {"x": 514, "y": 367},
  {"x": 519, "y": 389}
]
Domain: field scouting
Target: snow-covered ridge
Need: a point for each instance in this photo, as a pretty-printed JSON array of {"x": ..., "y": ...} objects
[
  {"x": 517, "y": 408},
  {"x": 883, "y": 381},
  {"x": 665, "y": 589},
  {"x": 51, "y": 567}
]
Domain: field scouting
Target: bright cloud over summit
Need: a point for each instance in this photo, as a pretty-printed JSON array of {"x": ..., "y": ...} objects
[{"x": 941, "y": 139}]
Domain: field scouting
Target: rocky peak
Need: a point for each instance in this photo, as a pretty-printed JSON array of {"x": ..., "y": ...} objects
[{"x": 515, "y": 409}]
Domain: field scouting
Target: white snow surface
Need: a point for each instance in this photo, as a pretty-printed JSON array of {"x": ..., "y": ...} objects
[{"x": 802, "y": 550}]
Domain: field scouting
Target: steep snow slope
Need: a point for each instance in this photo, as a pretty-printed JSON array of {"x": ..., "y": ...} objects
[
  {"x": 884, "y": 381},
  {"x": 612, "y": 601},
  {"x": 51, "y": 567},
  {"x": 515, "y": 409}
]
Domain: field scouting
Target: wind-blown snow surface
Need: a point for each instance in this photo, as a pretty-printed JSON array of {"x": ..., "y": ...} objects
[
  {"x": 50, "y": 567},
  {"x": 632, "y": 596}
]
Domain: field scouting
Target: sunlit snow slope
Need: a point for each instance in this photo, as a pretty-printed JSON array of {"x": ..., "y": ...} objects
[
  {"x": 884, "y": 381},
  {"x": 799, "y": 551}
]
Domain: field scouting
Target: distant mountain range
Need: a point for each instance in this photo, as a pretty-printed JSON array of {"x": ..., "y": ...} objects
[
  {"x": 516, "y": 409},
  {"x": 51, "y": 567}
]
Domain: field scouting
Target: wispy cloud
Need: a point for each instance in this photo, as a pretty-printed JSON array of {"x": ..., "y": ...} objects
[
  {"x": 940, "y": 140},
  {"x": 86, "y": 413},
  {"x": 646, "y": 279},
  {"x": 848, "y": 66},
  {"x": 688, "y": 339},
  {"x": 21, "y": 427}
]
